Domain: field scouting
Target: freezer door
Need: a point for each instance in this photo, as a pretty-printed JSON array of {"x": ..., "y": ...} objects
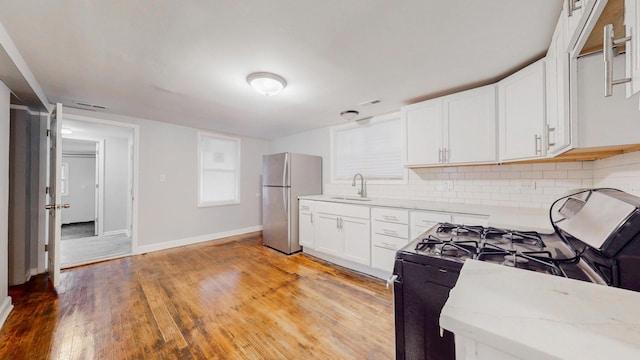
[
  {"x": 276, "y": 219},
  {"x": 275, "y": 170}
]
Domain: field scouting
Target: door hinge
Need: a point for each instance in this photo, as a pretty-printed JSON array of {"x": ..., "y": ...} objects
[
  {"x": 48, "y": 132},
  {"x": 46, "y": 190},
  {"x": 46, "y": 247}
]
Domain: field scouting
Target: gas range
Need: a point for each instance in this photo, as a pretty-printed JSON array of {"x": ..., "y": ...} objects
[
  {"x": 596, "y": 238},
  {"x": 529, "y": 250}
]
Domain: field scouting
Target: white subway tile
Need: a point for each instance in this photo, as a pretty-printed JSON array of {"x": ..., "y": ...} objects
[
  {"x": 531, "y": 174},
  {"x": 543, "y": 166},
  {"x": 554, "y": 174},
  {"x": 569, "y": 165},
  {"x": 521, "y": 167}
]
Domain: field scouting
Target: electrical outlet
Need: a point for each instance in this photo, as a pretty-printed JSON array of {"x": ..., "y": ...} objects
[
  {"x": 527, "y": 185},
  {"x": 445, "y": 185}
]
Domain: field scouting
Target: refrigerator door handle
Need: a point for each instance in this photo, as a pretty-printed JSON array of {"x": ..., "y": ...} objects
[
  {"x": 284, "y": 200},
  {"x": 285, "y": 169}
]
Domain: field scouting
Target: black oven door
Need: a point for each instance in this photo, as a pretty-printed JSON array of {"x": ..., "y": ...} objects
[{"x": 420, "y": 292}]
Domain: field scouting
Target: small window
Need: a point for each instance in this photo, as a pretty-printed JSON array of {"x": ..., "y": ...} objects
[
  {"x": 64, "y": 179},
  {"x": 219, "y": 169},
  {"x": 372, "y": 149}
]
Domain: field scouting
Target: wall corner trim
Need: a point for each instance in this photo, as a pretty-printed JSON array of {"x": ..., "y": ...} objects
[
  {"x": 5, "y": 309},
  {"x": 193, "y": 240}
]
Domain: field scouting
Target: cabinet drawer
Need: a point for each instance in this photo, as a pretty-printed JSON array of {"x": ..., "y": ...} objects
[
  {"x": 390, "y": 215},
  {"x": 428, "y": 219},
  {"x": 306, "y": 206},
  {"x": 382, "y": 258},
  {"x": 388, "y": 242},
  {"x": 391, "y": 229},
  {"x": 355, "y": 211}
]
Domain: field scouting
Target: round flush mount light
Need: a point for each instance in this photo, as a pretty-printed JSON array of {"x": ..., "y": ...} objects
[
  {"x": 66, "y": 131},
  {"x": 349, "y": 114},
  {"x": 265, "y": 83}
]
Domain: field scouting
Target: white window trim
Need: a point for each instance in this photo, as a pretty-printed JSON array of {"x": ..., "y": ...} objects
[
  {"x": 354, "y": 124},
  {"x": 199, "y": 169}
]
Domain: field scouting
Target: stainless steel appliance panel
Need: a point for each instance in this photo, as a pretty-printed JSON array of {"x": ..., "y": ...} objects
[
  {"x": 276, "y": 222},
  {"x": 276, "y": 170},
  {"x": 285, "y": 177}
]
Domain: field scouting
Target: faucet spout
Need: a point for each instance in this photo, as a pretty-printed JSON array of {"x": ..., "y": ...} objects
[{"x": 363, "y": 185}]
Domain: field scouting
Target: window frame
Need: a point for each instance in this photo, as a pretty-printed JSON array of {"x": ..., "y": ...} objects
[
  {"x": 361, "y": 123},
  {"x": 200, "y": 170}
]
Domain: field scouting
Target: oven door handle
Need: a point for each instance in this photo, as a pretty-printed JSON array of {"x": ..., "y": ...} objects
[{"x": 391, "y": 280}]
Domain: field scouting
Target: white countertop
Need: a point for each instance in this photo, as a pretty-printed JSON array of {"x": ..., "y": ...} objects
[
  {"x": 505, "y": 217},
  {"x": 531, "y": 315}
]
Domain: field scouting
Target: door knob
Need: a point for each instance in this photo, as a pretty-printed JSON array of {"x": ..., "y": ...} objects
[
  {"x": 66, "y": 206},
  {"x": 50, "y": 206}
]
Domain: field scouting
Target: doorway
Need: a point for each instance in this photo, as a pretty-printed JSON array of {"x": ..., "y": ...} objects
[{"x": 96, "y": 182}]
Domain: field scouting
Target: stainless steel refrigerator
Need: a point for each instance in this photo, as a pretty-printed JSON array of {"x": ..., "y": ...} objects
[{"x": 285, "y": 177}]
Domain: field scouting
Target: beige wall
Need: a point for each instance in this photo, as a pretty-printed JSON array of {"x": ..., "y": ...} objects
[{"x": 167, "y": 211}]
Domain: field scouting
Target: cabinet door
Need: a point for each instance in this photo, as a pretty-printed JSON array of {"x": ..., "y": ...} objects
[
  {"x": 422, "y": 132},
  {"x": 306, "y": 230},
  {"x": 328, "y": 238},
  {"x": 522, "y": 113},
  {"x": 557, "y": 92},
  {"x": 470, "y": 126},
  {"x": 306, "y": 234},
  {"x": 632, "y": 21},
  {"x": 357, "y": 240}
]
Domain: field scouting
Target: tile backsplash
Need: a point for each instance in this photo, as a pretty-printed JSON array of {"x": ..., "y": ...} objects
[{"x": 520, "y": 185}]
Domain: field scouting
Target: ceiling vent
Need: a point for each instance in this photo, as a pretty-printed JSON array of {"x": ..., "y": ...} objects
[
  {"x": 370, "y": 102},
  {"x": 91, "y": 106}
]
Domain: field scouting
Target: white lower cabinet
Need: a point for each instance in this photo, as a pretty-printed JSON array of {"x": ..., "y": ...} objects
[
  {"x": 422, "y": 221},
  {"x": 306, "y": 232},
  {"x": 390, "y": 232},
  {"x": 366, "y": 238},
  {"x": 343, "y": 231}
]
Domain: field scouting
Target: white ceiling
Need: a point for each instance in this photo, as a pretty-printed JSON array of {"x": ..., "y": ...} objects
[{"x": 185, "y": 62}]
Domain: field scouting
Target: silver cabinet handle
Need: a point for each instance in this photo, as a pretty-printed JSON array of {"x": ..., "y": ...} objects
[
  {"x": 341, "y": 223},
  {"x": 445, "y": 156},
  {"x": 439, "y": 155},
  {"x": 311, "y": 217},
  {"x": 538, "y": 140},
  {"x": 389, "y": 232},
  {"x": 549, "y": 143},
  {"x": 389, "y": 246},
  {"x": 337, "y": 223},
  {"x": 391, "y": 280},
  {"x": 608, "y": 45},
  {"x": 571, "y": 7},
  {"x": 390, "y": 218}
]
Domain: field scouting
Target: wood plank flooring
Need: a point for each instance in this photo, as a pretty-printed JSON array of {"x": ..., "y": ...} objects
[{"x": 237, "y": 300}]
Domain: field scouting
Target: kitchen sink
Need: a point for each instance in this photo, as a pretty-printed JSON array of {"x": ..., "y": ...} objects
[{"x": 350, "y": 198}]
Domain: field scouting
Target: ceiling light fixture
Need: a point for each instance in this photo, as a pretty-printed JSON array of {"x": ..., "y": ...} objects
[
  {"x": 265, "y": 83},
  {"x": 66, "y": 132},
  {"x": 349, "y": 114}
]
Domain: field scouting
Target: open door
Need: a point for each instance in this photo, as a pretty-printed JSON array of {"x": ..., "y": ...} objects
[{"x": 55, "y": 197}]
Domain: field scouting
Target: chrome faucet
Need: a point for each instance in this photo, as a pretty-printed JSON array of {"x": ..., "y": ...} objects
[{"x": 363, "y": 185}]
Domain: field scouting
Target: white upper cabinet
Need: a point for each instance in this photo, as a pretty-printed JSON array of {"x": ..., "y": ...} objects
[
  {"x": 455, "y": 129},
  {"x": 522, "y": 113},
  {"x": 558, "y": 128},
  {"x": 580, "y": 22},
  {"x": 632, "y": 24},
  {"x": 470, "y": 126},
  {"x": 422, "y": 131}
]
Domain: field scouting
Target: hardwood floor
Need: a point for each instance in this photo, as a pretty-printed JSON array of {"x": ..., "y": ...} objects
[{"x": 237, "y": 300}]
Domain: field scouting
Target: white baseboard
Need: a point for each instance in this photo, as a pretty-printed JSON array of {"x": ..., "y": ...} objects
[
  {"x": 380, "y": 274},
  {"x": 5, "y": 309},
  {"x": 114, "y": 232},
  {"x": 141, "y": 249}
]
